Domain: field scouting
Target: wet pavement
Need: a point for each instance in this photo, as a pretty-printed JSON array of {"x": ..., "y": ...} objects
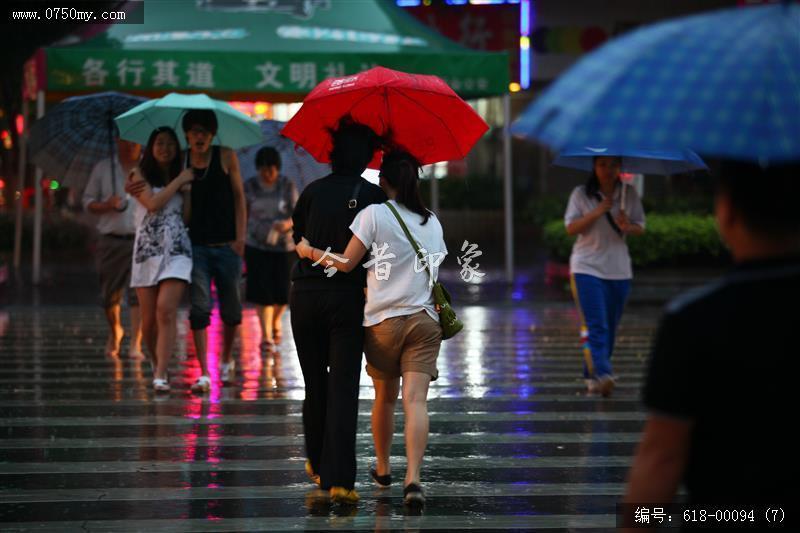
[{"x": 515, "y": 445}]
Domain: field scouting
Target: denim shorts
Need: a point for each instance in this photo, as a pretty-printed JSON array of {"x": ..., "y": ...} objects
[{"x": 222, "y": 265}]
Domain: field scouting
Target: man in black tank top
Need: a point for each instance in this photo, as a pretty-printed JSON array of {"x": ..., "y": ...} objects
[
  {"x": 217, "y": 228},
  {"x": 327, "y": 313}
]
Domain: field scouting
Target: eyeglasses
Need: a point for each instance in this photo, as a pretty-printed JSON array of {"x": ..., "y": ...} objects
[{"x": 199, "y": 130}]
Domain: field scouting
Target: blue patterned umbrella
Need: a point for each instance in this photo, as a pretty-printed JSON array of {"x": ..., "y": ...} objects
[
  {"x": 77, "y": 133},
  {"x": 725, "y": 84},
  {"x": 661, "y": 162},
  {"x": 296, "y": 163}
]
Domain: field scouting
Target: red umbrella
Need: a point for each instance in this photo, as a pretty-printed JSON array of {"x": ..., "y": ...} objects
[{"x": 421, "y": 114}]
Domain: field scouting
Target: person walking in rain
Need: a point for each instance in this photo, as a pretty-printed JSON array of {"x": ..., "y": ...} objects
[
  {"x": 327, "y": 311},
  {"x": 723, "y": 369},
  {"x": 162, "y": 259},
  {"x": 403, "y": 333},
  {"x": 600, "y": 264},
  {"x": 103, "y": 197},
  {"x": 217, "y": 228},
  {"x": 271, "y": 198}
]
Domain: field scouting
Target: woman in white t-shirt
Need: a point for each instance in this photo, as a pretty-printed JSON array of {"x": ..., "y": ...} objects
[
  {"x": 403, "y": 334},
  {"x": 600, "y": 265}
]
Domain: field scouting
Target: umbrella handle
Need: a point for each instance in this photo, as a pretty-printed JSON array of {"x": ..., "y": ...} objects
[{"x": 111, "y": 152}]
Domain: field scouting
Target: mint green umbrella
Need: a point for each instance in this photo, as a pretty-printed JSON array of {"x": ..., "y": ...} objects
[{"x": 236, "y": 130}]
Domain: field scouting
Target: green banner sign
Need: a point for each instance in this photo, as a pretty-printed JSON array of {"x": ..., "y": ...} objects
[{"x": 80, "y": 69}]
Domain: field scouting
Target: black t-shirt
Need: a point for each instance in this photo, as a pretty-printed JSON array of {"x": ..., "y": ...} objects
[
  {"x": 322, "y": 216},
  {"x": 726, "y": 358}
]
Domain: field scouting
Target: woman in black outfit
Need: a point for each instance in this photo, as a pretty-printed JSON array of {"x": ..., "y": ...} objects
[{"x": 327, "y": 311}]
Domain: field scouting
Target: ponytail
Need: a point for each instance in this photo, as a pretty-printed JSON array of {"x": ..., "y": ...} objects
[{"x": 401, "y": 171}]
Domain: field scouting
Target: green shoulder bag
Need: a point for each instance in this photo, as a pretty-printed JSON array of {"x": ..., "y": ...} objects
[{"x": 447, "y": 316}]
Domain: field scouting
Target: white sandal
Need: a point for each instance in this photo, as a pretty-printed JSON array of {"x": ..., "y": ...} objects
[
  {"x": 161, "y": 385},
  {"x": 203, "y": 384},
  {"x": 228, "y": 372}
]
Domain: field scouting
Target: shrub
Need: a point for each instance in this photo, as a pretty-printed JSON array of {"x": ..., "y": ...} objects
[
  {"x": 673, "y": 240},
  {"x": 696, "y": 204},
  {"x": 540, "y": 210},
  {"x": 473, "y": 192}
]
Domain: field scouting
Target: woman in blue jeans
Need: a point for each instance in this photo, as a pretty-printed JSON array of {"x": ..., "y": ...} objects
[{"x": 600, "y": 264}]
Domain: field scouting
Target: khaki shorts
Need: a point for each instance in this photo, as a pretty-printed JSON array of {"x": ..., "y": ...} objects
[
  {"x": 114, "y": 256},
  {"x": 403, "y": 344}
]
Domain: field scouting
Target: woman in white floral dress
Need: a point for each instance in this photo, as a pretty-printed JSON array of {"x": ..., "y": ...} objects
[{"x": 162, "y": 254}]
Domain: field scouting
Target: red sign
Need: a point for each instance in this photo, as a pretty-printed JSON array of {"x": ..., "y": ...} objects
[
  {"x": 481, "y": 27},
  {"x": 33, "y": 79}
]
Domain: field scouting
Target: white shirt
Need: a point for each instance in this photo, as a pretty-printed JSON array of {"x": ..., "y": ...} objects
[
  {"x": 600, "y": 251},
  {"x": 99, "y": 189},
  {"x": 404, "y": 287}
]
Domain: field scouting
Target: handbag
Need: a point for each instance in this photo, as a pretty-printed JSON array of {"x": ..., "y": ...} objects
[
  {"x": 609, "y": 218},
  {"x": 448, "y": 320}
]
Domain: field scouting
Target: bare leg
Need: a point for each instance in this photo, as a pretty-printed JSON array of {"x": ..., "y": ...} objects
[
  {"x": 147, "y": 311},
  {"x": 386, "y": 391},
  {"x": 115, "y": 330},
  {"x": 277, "y": 326},
  {"x": 264, "y": 313},
  {"x": 415, "y": 407},
  {"x": 135, "y": 348},
  {"x": 228, "y": 336},
  {"x": 169, "y": 296},
  {"x": 201, "y": 348}
]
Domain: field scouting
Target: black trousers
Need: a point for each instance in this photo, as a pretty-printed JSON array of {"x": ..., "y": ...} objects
[{"x": 328, "y": 333}]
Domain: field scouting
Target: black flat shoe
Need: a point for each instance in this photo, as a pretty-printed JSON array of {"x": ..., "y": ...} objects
[
  {"x": 413, "y": 495},
  {"x": 383, "y": 482}
]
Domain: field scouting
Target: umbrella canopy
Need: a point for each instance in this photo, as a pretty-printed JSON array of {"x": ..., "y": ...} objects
[
  {"x": 235, "y": 129},
  {"x": 267, "y": 49},
  {"x": 420, "y": 113},
  {"x": 77, "y": 133},
  {"x": 663, "y": 162},
  {"x": 724, "y": 84},
  {"x": 296, "y": 163}
]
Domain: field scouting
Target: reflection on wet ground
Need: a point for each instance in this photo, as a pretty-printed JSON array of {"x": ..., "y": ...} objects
[{"x": 515, "y": 444}]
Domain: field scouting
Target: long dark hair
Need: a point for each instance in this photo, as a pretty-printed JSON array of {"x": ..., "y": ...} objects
[
  {"x": 150, "y": 167},
  {"x": 593, "y": 183},
  {"x": 401, "y": 172}
]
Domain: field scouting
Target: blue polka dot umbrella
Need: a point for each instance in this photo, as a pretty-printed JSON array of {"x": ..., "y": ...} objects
[
  {"x": 724, "y": 84},
  {"x": 661, "y": 162}
]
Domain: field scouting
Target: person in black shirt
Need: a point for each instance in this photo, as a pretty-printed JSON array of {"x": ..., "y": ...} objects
[
  {"x": 720, "y": 382},
  {"x": 217, "y": 228},
  {"x": 327, "y": 311}
]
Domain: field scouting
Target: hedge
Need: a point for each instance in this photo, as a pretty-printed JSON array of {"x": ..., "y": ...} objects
[{"x": 676, "y": 239}]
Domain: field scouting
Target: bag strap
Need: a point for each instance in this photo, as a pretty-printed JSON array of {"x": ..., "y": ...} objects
[
  {"x": 353, "y": 203},
  {"x": 408, "y": 235},
  {"x": 608, "y": 216}
]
